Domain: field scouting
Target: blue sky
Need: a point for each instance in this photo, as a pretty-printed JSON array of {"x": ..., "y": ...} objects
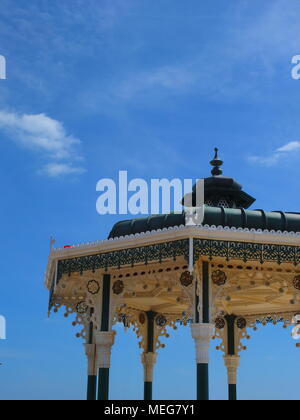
[{"x": 94, "y": 87}]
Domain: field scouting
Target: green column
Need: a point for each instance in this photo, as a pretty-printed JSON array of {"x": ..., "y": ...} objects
[
  {"x": 231, "y": 351},
  {"x": 103, "y": 374},
  {"x": 92, "y": 388},
  {"x": 148, "y": 391},
  {"x": 150, "y": 349},
  {"x": 202, "y": 368},
  {"x": 92, "y": 379},
  {"x": 232, "y": 394},
  {"x": 202, "y": 382},
  {"x": 203, "y": 374},
  {"x": 103, "y": 384}
]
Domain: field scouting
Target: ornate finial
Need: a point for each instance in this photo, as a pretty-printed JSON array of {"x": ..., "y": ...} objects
[{"x": 216, "y": 163}]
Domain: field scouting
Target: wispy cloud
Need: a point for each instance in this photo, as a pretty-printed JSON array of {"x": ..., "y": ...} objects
[
  {"x": 178, "y": 78},
  {"x": 58, "y": 169},
  {"x": 274, "y": 30},
  {"x": 254, "y": 47},
  {"x": 277, "y": 155},
  {"x": 46, "y": 136},
  {"x": 255, "y": 40},
  {"x": 52, "y": 38}
]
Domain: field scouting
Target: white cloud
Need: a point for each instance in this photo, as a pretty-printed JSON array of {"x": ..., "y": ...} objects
[
  {"x": 54, "y": 170},
  {"x": 43, "y": 134},
  {"x": 39, "y": 132},
  {"x": 290, "y": 147},
  {"x": 277, "y": 155}
]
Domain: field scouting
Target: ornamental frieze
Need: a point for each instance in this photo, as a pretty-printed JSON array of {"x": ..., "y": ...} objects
[
  {"x": 124, "y": 257},
  {"x": 229, "y": 250}
]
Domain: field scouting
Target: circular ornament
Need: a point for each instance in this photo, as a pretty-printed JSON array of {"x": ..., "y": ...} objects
[
  {"x": 220, "y": 323},
  {"x": 118, "y": 287},
  {"x": 93, "y": 287},
  {"x": 241, "y": 323},
  {"x": 161, "y": 321},
  {"x": 82, "y": 307},
  {"x": 186, "y": 279},
  {"x": 219, "y": 278},
  {"x": 296, "y": 282}
]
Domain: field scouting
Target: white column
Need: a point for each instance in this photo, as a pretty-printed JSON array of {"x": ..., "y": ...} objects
[
  {"x": 202, "y": 334},
  {"x": 232, "y": 363},
  {"x": 104, "y": 342},
  {"x": 148, "y": 361}
]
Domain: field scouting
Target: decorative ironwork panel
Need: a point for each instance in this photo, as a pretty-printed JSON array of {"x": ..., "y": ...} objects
[
  {"x": 253, "y": 252},
  {"x": 289, "y": 254},
  {"x": 246, "y": 251},
  {"x": 131, "y": 256},
  {"x": 236, "y": 250}
]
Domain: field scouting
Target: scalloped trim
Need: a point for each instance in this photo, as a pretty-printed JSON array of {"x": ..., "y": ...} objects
[{"x": 178, "y": 228}]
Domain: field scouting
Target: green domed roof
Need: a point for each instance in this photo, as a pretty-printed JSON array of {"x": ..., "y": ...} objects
[{"x": 214, "y": 216}]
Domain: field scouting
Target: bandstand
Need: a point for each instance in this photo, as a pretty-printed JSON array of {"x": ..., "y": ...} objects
[{"x": 239, "y": 269}]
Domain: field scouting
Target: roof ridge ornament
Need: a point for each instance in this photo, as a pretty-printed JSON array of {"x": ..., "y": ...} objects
[
  {"x": 52, "y": 242},
  {"x": 216, "y": 163}
]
